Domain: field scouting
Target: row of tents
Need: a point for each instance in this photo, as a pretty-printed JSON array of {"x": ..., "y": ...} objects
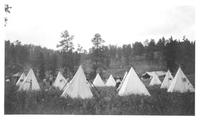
[
  {"x": 79, "y": 87},
  {"x": 179, "y": 83},
  {"x": 98, "y": 82}
]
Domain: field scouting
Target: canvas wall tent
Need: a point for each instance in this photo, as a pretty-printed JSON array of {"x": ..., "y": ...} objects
[
  {"x": 16, "y": 74},
  {"x": 111, "y": 81},
  {"x": 167, "y": 80},
  {"x": 160, "y": 73},
  {"x": 78, "y": 87},
  {"x": 133, "y": 85},
  {"x": 125, "y": 74},
  {"x": 155, "y": 80},
  {"x": 7, "y": 80},
  {"x": 21, "y": 79},
  {"x": 30, "y": 82},
  {"x": 14, "y": 78},
  {"x": 180, "y": 83},
  {"x": 98, "y": 82},
  {"x": 148, "y": 75},
  {"x": 60, "y": 81}
]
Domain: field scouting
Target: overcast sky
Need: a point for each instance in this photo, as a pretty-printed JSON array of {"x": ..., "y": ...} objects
[{"x": 41, "y": 22}]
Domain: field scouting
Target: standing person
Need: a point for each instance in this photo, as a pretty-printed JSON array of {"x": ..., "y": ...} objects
[
  {"x": 118, "y": 81},
  {"x": 50, "y": 80}
]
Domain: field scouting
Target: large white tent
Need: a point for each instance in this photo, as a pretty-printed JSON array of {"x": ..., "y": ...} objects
[
  {"x": 98, "y": 82},
  {"x": 125, "y": 74},
  {"x": 30, "y": 82},
  {"x": 180, "y": 83},
  {"x": 78, "y": 87},
  {"x": 155, "y": 80},
  {"x": 167, "y": 80},
  {"x": 21, "y": 79},
  {"x": 133, "y": 85},
  {"x": 60, "y": 81},
  {"x": 111, "y": 81}
]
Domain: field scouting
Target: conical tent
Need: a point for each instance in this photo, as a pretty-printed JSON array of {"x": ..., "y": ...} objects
[
  {"x": 180, "y": 83},
  {"x": 111, "y": 81},
  {"x": 133, "y": 85},
  {"x": 167, "y": 80},
  {"x": 21, "y": 79},
  {"x": 30, "y": 82},
  {"x": 125, "y": 74},
  {"x": 98, "y": 82},
  {"x": 155, "y": 80},
  {"x": 78, "y": 86},
  {"x": 60, "y": 81}
]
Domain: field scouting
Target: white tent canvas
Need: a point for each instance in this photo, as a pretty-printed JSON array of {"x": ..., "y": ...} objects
[
  {"x": 155, "y": 80},
  {"x": 133, "y": 85},
  {"x": 167, "y": 80},
  {"x": 30, "y": 82},
  {"x": 21, "y": 79},
  {"x": 111, "y": 81},
  {"x": 125, "y": 74},
  {"x": 180, "y": 83},
  {"x": 78, "y": 86},
  {"x": 98, "y": 82},
  {"x": 60, "y": 81}
]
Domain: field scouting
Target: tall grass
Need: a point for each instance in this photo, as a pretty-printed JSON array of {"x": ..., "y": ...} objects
[{"x": 104, "y": 102}]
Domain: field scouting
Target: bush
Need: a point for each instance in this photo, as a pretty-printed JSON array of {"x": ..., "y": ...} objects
[{"x": 106, "y": 102}]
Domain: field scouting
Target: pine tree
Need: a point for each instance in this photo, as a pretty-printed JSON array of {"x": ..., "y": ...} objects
[
  {"x": 67, "y": 52},
  {"x": 97, "y": 53}
]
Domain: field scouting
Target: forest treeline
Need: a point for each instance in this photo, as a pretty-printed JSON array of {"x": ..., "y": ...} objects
[{"x": 168, "y": 52}]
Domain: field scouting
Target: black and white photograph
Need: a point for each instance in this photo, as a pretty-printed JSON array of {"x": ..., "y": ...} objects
[{"x": 99, "y": 57}]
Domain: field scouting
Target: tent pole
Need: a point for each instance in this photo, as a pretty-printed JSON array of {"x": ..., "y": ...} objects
[{"x": 95, "y": 88}]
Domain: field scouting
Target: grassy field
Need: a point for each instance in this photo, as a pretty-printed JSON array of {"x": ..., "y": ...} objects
[{"x": 106, "y": 103}]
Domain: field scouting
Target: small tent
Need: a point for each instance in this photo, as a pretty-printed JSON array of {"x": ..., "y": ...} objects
[
  {"x": 155, "y": 80},
  {"x": 78, "y": 87},
  {"x": 30, "y": 82},
  {"x": 111, "y": 81},
  {"x": 133, "y": 85},
  {"x": 21, "y": 79},
  {"x": 167, "y": 80},
  {"x": 125, "y": 74},
  {"x": 180, "y": 83},
  {"x": 60, "y": 81},
  {"x": 98, "y": 82}
]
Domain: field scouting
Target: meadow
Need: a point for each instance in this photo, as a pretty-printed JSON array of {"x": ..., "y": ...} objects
[{"x": 105, "y": 102}]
